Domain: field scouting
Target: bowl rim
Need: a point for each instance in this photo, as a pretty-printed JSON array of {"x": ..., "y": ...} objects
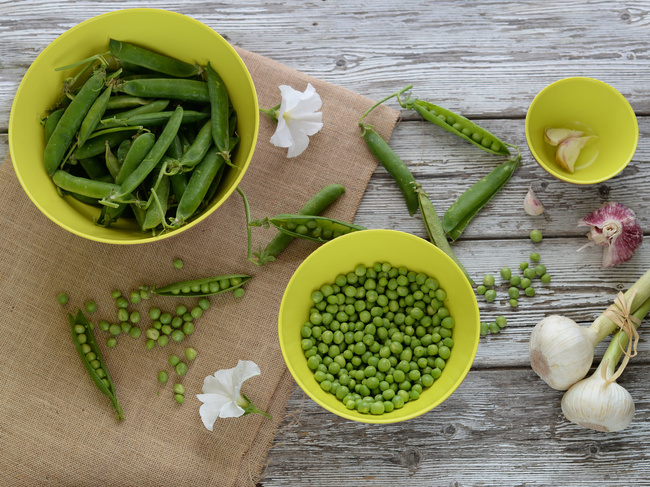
[
  {"x": 379, "y": 419},
  {"x": 568, "y": 177},
  {"x": 128, "y": 11}
]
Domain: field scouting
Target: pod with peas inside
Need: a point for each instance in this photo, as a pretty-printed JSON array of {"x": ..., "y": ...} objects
[{"x": 355, "y": 255}]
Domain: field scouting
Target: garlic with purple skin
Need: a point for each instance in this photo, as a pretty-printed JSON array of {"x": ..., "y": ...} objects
[
  {"x": 616, "y": 228},
  {"x": 532, "y": 205}
]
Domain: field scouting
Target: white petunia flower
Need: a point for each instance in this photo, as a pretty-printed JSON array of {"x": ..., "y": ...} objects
[
  {"x": 221, "y": 396},
  {"x": 297, "y": 118}
]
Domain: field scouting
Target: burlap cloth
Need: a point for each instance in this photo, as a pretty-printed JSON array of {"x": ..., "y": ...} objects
[{"x": 56, "y": 428}]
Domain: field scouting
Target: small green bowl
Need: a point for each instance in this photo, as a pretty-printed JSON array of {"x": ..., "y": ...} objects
[
  {"x": 167, "y": 32},
  {"x": 341, "y": 256},
  {"x": 591, "y": 106}
]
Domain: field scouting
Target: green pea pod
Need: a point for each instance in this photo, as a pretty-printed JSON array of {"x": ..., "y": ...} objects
[
  {"x": 208, "y": 286},
  {"x": 104, "y": 384},
  {"x": 177, "y": 89},
  {"x": 150, "y": 161},
  {"x": 95, "y": 169},
  {"x": 434, "y": 228},
  {"x": 96, "y": 146},
  {"x": 111, "y": 162},
  {"x": 312, "y": 227},
  {"x": 140, "y": 147},
  {"x": 71, "y": 121},
  {"x": 118, "y": 119},
  {"x": 83, "y": 186},
  {"x": 316, "y": 205},
  {"x": 393, "y": 164},
  {"x": 198, "y": 186},
  {"x": 51, "y": 122},
  {"x": 93, "y": 117},
  {"x": 459, "y": 125},
  {"x": 121, "y": 102},
  {"x": 122, "y": 151},
  {"x": 219, "y": 111},
  {"x": 161, "y": 118},
  {"x": 157, "y": 205},
  {"x": 198, "y": 148},
  {"x": 145, "y": 58},
  {"x": 468, "y": 204}
]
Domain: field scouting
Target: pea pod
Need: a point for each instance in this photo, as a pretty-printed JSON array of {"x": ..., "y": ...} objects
[
  {"x": 468, "y": 204},
  {"x": 393, "y": 164},
  {"x": 208, "y": 286},
  {"x": 317, "y": 204},
  {"x": 82, "y": 334},
  {"x": 97, "y": 145},
  {"x": 51, "y": 122},
  {"x": 145, "y": 58},
  {"x": 434, "y": 228},
  {"x": 197, "y": 150},
  {"x": 157, "y": 205},
  {"x": 219, "y": 110},
  {"x": 156, "y": 153},
  {"x": 120, "y": 102},
  {"x": 83, "y": 186},
  {"x": 95, "y": 169},
  {"x": 161, "y": 118},
  {"x": 312, "y": 227},
  {"x": 459, "y": 125},
  {"x": 93, "y": 117},
  {"x": 71, "y": 121},
  {"x": 177, "y": 89},
  {"x": 118, "y": 119}
]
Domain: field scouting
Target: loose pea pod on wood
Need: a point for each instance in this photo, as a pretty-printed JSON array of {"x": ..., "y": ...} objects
[
  {"x": 459, "y": 125},
  {"x": 208, "y": 286},
  {"x": 82, "y": 334},
  {"x": 154, "y": 61},
  {"x": 434, "y": 228},
  {"x": 312, "y": 227},
  {"x": 393, "y": 164},
  {"x": 468, "y": 204}
]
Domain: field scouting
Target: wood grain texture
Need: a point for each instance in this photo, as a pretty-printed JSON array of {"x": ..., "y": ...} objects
[{"x": 486, "y": 60}]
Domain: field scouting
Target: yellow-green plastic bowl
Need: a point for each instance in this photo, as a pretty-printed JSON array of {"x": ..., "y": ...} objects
[
  {"x": 341, "y": 256},
  {"x": 166, "y": 32},
  {"x": 594, "y": 107}
]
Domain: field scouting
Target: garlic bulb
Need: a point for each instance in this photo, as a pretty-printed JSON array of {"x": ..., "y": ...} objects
[
  {"x": 532, "y": 205},
  {"x": 561, "y": 351},
  {"x": 598, "y": 404},
  {"x": 616, "y": 228}
]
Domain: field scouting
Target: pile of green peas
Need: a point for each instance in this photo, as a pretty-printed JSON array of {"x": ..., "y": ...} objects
[
  {"x": 180, "y": 368},
  {"x": 175, "y": 326},
  {"x": 378, "y": 336}
]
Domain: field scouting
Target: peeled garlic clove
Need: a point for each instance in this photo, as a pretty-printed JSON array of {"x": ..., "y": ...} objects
[
  {"x": 599, "y": 405},
  {"x": 568, "y": 151},
  {"x": 615, "y": 227},
  {"x": 532, "y": 206},
  {"x": 554, "y": 136},
  {"x": 561, "y": 351}
]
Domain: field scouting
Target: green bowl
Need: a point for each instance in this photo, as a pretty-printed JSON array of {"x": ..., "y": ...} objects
[
  {"x": 341, "y": 256},
  {"x": 590, "y": 106},
  {"x": 167, "y": 32}
]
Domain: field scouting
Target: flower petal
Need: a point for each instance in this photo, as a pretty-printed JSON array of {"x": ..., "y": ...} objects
[
  {"x": 210, "y": 409},
  {"x": 231, "y": 410},
  {"x": 245, "y": 369},
  {"x": 282, "y": 136},
  {"x": 219, "y": 383},
  {"x": 300, "y": 143}
]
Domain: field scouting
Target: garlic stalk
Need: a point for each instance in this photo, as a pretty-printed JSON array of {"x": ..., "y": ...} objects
[
  {"x": 561, "y": 351},
  {"x": 598, "y": 402}
]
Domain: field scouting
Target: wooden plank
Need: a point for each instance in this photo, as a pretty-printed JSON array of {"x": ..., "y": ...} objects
[
  {"x": 483, "y": 59},
  {"x": 501, "y": 427}
]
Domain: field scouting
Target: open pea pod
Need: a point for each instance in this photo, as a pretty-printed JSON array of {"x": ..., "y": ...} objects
[
  {"x": 104, "y": 383},
  {"x": 459, "y": 125},
  {"x": 312, "y": 227},
  {"x": 208, "y": 286}
]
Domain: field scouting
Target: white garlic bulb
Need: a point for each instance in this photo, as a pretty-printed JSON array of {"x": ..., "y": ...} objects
[
  {"x": 599, "y": 405},
  {"x": 561, "y": 351}
]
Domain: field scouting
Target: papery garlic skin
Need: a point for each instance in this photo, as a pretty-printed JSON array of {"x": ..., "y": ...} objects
[
  {"x": 615, "y": 227},
  {"x": 599, "y": 405},
  {"x": 532, "y": 205},
  {"x": 561, "y": 351}
]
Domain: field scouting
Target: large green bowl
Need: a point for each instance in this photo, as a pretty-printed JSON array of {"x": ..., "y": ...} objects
[
  {"x": 167, "y": 32},
  {"x": 341, "y": 256}
]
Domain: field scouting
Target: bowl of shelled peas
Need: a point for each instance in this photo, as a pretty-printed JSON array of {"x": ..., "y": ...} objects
[
  {"x": 378, "y": 326},
  {"x": 133, "y": 126}
]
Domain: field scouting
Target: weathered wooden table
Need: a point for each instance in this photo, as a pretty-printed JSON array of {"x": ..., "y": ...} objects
[{"x": 486, "y": 60}]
